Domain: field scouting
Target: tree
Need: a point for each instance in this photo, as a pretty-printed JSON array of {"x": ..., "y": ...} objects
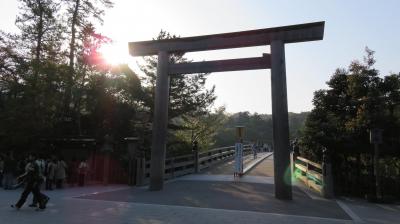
[
  {"x": 30, "y": 72},
  {"x": 357, "y": 101},
  {"x": 34, "y": 73},
  {"x": 188, "y": 95},
  {"x": 201, "y": 129},
  {"x": 39, "y": 25},
  {"x": 258, "y": 127},
  {"x": 81, "y": 14}
]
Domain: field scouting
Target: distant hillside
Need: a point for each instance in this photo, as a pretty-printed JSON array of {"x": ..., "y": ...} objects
[{"x": 258, "y": 127}]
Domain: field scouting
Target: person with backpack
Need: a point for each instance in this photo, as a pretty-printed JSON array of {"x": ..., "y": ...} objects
[
  {"x": 32, "y": 179},
  {"x": 41, "y": 163}
]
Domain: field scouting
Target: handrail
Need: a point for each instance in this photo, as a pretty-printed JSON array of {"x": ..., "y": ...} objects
[
  {"x": 185, "y": 164},
  {"x": 310, "y": 162},
  {"x": 310, "y": 173}
]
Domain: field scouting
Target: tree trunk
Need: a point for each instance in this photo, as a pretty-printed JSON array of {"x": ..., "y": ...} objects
[
  {"x": 38, "y": 49},
  {"x": 73, "y": 35},
  {"x": 358, "y": 184},
  {"x": 68, "y": 90},
  {"x": 377, "y": 172}
]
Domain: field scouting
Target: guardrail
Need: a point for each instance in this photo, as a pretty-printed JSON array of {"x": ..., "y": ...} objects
[
  {"x": 190, "y": 163},
  {"x": 310, "y": 173},
  {"x": 314, "y": 175}
]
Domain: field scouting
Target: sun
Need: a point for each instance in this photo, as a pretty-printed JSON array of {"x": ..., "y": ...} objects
[{"x": 115, "y": 53}]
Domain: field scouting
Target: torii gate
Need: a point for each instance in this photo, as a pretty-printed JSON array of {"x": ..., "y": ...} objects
[{"x": 277, "y": 37}]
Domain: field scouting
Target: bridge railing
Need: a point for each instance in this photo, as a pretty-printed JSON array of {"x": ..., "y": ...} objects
[
  {"x": 314, "y": 175},
  {"x": 190, "y": 163},
  {"x": 214, "y": 156},
  {"x": 309, "y": 172}
]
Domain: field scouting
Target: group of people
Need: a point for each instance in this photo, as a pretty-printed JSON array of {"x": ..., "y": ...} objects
[
  {"x": 32, "y": 172},
  {"x": 259, "y": 147}
]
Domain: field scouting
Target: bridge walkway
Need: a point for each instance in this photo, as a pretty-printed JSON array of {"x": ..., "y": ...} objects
[{"x": 212, "y": 196}]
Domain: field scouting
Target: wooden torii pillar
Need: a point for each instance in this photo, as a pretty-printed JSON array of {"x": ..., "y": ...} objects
[{"x": 277, "y": 37}]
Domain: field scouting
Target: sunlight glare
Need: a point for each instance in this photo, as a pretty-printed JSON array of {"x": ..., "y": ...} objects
[{"x": 115, "y": 53}]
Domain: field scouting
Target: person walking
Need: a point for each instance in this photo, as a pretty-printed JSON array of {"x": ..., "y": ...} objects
[
  {"x": 254, "y": 149},
  {"x": 41, "y": 164},
  {"x": 50, "y": 173},
  {"x": 82, "y": 170},
  {"x": 32, "y": 180},
  {"x": 60, "y": 172}
]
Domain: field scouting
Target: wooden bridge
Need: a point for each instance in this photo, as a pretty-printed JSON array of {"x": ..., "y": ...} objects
[
  {"x": 205, "y": 180},
  {"x": 220, "y": 161}
]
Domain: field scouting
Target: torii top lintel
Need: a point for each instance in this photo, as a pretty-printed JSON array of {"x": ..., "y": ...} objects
[{"x": 288, "y": 34}]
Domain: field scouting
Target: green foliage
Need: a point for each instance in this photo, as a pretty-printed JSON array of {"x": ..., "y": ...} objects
[
  {"x": 357, "y": 100},
  {"x": 38, "y": 24},
  {"x": 189, "y": 102},
  {"x": 202, "y": 128},
  {"x": 55, "y": 83},
  {"x": 258, "y": 127},
  {"x": 188, "y": 95}
]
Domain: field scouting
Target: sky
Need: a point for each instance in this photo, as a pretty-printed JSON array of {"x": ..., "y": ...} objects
[{"x": 350, "y": 26}]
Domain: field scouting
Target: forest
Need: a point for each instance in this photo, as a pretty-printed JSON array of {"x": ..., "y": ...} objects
[
  {"x": 54, "y": 82},
  {"x": 358, "y": 100}
]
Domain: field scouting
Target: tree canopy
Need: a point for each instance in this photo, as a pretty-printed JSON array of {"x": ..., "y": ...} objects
[
  {"x": 54, "y": 81},
  {"x": 358, "y": 99}
]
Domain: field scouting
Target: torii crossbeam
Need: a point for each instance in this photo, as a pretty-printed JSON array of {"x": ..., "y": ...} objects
[{"x": 276, "y": 37}]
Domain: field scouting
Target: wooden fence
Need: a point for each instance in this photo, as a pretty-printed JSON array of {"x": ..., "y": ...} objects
[
  {"x": 315, "y": 175},
  {"x": 310, "y": 173},
  {"x": 186, "y": 164}
]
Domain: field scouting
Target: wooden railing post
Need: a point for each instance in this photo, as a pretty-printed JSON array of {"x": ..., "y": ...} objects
[
  {"x": 196, "y": 161},
  {"x": 308, "y": 182},
  {"x": 133, "y": 153},
  {"x": 140, "y": 171},
  {"x": 327, "y": 178},
  {"x": 172, "y": 165},
  {"x": 292, "y": 164}
]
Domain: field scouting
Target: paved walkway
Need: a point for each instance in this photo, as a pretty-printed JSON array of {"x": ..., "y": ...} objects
[
  {"x": 265, "y": 168},
  {"x": 196, "y": 199},
  {"x": 180, "y": 202}
]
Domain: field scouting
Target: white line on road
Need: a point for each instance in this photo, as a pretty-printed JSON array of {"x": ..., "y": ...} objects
[
  {"x": 349, "y": 212},
  {"x": 387, "y": 207},
  {"x": 308, "y": 193}
]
